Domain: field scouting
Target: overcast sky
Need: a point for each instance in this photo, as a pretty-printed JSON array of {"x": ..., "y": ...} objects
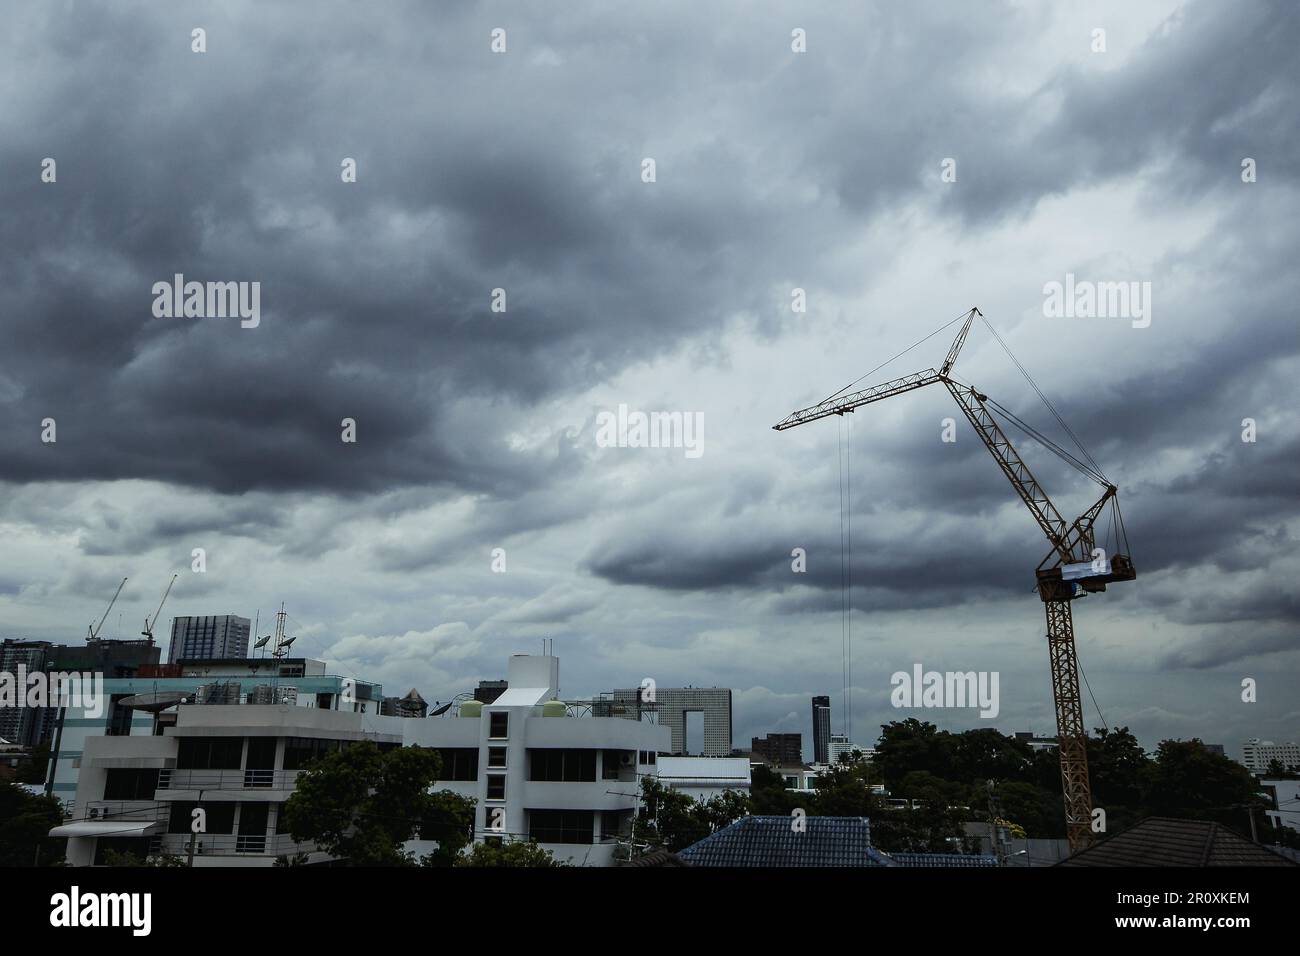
[{"x": 476, "y": 430}]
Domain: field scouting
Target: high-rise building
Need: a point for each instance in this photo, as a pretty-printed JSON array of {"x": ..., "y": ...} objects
[
  {"x": 821, "y": 728},
  {"x": 489, "y": 690},
  {"x": 669, "y": 707},
  {"x": 22, "y": 725},
  {"x": 1257, "y": 754},
  {"x": 213, "y": 637},
  {"x": 782, "y": 750},
  {"x": 412, "y": 705}
]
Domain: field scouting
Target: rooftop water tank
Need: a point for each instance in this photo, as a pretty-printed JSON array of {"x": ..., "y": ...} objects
[
  {"x": 471, "y": 708},
  {"x": 555, "y": 708}
]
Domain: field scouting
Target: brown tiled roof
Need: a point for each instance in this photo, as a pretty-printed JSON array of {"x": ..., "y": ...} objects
[{"x": 1163, "y": 841}]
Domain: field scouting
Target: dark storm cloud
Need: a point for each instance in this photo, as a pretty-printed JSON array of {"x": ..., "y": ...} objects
[
  {"x": 521, "y": 172},
  {"x": 375, "y": 295},
  {"x": 476, "y": 172}
]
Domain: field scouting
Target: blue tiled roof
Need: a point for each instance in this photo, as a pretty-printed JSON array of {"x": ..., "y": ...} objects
[
  {"x": 774, "y": 842},
  {"x": 943, "y": 859}
]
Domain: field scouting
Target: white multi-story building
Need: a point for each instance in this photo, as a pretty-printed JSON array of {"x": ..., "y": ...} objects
[
  {"x": 840, "y": 745},
  {"x": 238, "y": 762},
  {"x": 704, "y": 778},
  {"x": 1285, "y": 811},
  {"x": 298, "y": 680},
  {"x": 801, "y": 778},
  {"x": 1256, "y": 754},
  {"x": 539, "y": 771},
  {"x": 535, "y": 769}
]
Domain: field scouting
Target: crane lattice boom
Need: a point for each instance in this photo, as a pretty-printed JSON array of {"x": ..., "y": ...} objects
[{"x": 1071, "y": 569}]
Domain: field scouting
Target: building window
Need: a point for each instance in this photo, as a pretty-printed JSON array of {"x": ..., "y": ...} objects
[
  {"x": 130, "y": 784},
  {"x": 300, "y": 752},
  {"x": 496, "y": 756},
  {"x": 562, "y": 766},
  {"x": 496, "y": 786},
  {"x": 560, "y": 826},
  {"x": 612, "y": 761},
  {"x": 210, "y": 753},
  {"x": 458, "y": 763},
  {"x": 498, "y": 725},
  {"x": 614, "y": 823},
  {"x": 119, "y": 717},
  {"x": 220, "y": 817},
  {"x": 653, "y": 754}
]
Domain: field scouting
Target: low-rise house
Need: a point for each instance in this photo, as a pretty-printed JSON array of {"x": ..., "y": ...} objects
[
  {"x": 800, "y": 841},
  {"x": 1164, "y": 841}
]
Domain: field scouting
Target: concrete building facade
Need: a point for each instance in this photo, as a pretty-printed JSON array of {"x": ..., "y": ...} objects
[
  {"x": 704, "y": 778},
  {"x": 535, "y": 768},
  {"x": 210, "y": 637},
  {"x": 300, "y": 682},
  {"x": 1256, "y": 754},
  {"x": 821, "y": 728},
  {"x": 779, "y": 750},
  {"x": 669, "y": 707}
]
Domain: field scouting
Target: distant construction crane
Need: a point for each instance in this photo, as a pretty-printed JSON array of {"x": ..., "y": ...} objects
[
  {"x": 92, "y": 633},
  {"x": 1074, "y": 567},
  {"x": 149, "y": 623}
]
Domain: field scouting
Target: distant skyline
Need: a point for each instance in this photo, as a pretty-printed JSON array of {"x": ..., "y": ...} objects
[{"x": 477, "y": 429}]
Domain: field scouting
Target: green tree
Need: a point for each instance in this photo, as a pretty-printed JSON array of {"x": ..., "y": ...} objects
[
  {"x": 768, "y": 796},
  {"x": 514, "y": 853},
  {"x": 669, "y": 818},
  {"x": 1277, "y": 771},
  {"x": 843, "y": 791},
  {"x": 986, "y": 754},
  {"x": 361, "y": 804},
  {"x": 113, "y": 858},
  {"x": 1040, "y": 812},
  {"x": 1186, "y": 780},
  {"x": 722, "y": 810},
  {"x": 33, "y": 771},
  {"x": 25, "y": 824},
  {"x": 1116, "y": 764},
  {"x": 913, "y": 744}
]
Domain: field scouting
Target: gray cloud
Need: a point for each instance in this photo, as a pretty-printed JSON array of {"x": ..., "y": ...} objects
[{"x": 476, "y": 428}]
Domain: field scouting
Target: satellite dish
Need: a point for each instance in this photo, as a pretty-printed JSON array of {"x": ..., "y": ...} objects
[
  {"x": 441, "y": 710},
  {"x": 288, "y": 640},
  {"x": 155, "y": 703},
  {"x": 261, "y": 642}
]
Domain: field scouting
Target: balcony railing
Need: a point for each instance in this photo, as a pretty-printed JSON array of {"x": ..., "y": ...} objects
[
  {"x": 229, "y": 844},
  {"x": 131, "y": 811},
  {"x": 227, "y": 779}
]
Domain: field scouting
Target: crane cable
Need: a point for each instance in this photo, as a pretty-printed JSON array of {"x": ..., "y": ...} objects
[
  {"x": 1039, "y": 392},
  {"x": 898, "y": 356},
  {"x": 845, "y": 448},
  {"x": 1090, "y": 693},
  {"x": 1047, "y": 443}
]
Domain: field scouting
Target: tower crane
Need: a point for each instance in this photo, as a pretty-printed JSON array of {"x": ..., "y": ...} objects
[
  {"x": 149, "y": 623},
  {"x": 1073, "y": 568},
  {"x": 92, "y": 633}
]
